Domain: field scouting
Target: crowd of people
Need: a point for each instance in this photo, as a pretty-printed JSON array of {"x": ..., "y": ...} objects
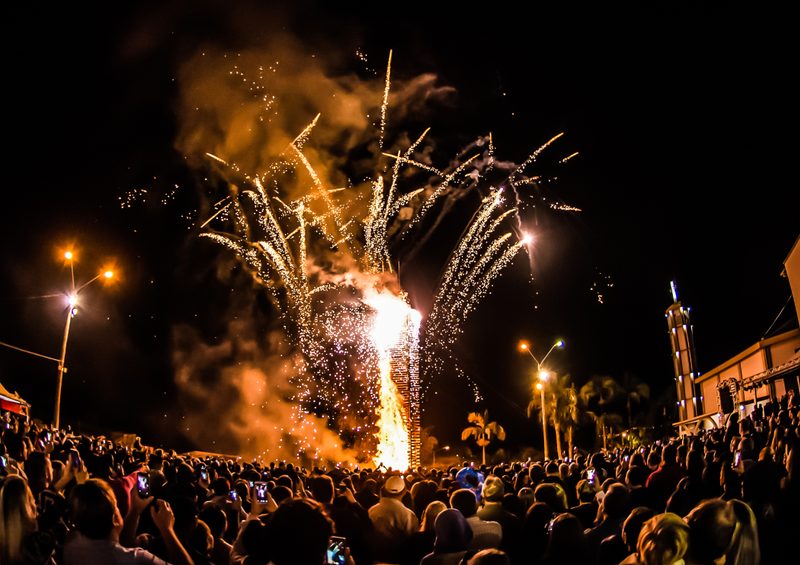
[{"x": 727, "y": 495}]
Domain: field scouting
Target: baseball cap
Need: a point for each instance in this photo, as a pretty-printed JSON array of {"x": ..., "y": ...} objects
[{"x": 395, "y": 484}]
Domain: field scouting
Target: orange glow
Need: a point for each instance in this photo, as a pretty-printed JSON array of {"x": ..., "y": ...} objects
[
  {"x": 544, "y": 374},
  {"x": 524, "y": 346},
  {"x": 538, "y": 386},
  {"x": 391, "y": 314},
  {"x": 67, "y": 251},
  {"x": 109, "y": 273},
  {"x": 392, "y": 430}
]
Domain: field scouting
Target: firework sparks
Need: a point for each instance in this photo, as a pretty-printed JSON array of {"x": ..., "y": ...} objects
[
  {"x": 350, "y": 321},
  {"x": 385, "y": 105}
]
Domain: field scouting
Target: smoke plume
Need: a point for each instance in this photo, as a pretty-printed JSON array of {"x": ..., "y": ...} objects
[{"x": 253, "y": 393}]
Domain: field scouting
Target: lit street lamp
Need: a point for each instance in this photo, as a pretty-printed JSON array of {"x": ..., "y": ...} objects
[
  {"x": 543, "y": 375},
  {"x": 72, "y": 310}
]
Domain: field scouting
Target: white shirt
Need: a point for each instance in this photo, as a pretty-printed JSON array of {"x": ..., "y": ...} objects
[{"x": 392, "y": 520}]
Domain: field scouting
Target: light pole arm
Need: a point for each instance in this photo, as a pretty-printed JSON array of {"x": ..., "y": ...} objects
[
  {"x": 556, "y": 344},
  {"x": 87, "y": 283},
  {"x": 538, "y": 364}
]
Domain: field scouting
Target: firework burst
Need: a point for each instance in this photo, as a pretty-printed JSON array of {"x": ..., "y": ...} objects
[{"x": 330, "y": 271}]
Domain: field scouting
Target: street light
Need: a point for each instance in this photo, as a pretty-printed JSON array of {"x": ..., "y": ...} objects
[
  {"x": 543, "y": 375},
  {"x": 72, "y": 310}
]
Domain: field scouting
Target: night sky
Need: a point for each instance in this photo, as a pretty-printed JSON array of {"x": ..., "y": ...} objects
[{"x": 680, "y": 116}]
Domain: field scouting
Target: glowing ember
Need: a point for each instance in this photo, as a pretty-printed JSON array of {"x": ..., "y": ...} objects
[{"x": 389, "y": 328}]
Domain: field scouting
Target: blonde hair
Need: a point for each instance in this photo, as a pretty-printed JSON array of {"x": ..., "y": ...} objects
[
  {"x": 429, "y": 516},
  {"x": 664, "y": 540},
  {"x": 17, "y": 517}
]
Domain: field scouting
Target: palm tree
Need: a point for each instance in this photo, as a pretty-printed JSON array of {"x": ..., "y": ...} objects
[
  {"x": 637, "y": 395},
  {"x": 561, "y": 406},
  {"x": 482, "y": 430},
  {"x": 566, "y": 415},
  {"x": 599, "y": 397},
  {"x": 605, "y": 423}
]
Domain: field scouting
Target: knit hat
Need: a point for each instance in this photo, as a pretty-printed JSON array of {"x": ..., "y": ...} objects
[{"x": 493, "y": 489}]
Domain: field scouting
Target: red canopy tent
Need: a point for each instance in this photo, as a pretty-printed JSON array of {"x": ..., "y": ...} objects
[{"x": 13, "y": 402}]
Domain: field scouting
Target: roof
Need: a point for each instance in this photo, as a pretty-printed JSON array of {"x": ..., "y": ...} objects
[
  {"x": 11, "y": 397},
  {"x": 773, "y": 373},
  {"x": 791, "y": 251},
  {"x": 764, "y": 343}
]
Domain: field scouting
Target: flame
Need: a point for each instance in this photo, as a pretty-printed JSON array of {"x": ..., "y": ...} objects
[
  {"x": 389, "y": 324},
  {"x": 392, "y": 430}
]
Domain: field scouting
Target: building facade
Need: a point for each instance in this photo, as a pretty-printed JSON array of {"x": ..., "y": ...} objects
[{"x": 764, "y": 371}]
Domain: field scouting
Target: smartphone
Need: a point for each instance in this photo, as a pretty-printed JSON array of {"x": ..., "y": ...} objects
[
  {"x": 627, "y": 458},
  {"x": 48, "y": 436},
  {"x": 261, "y": 492},
  {"x": 204, "y": 474},
  {"x": 252, "y": 484},
  {"x": 336, "y": 551},
  {"x": 143, "y": 485},
  {"x": 3, "y": 461},
  {"x": 75, "y": 457},
  {"x": 590, "y": 476},
  {"x": 233, "y": 495},
  {"x": 737, "y": 458}
]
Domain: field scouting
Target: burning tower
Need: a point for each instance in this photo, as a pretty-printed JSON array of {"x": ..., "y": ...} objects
[{"x": 405, "y": 374}]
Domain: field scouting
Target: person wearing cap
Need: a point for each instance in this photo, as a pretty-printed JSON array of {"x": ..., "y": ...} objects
[{"x": 393, "y": 522}]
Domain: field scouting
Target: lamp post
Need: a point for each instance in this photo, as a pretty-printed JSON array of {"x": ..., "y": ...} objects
[
  {"x": 72, "y": 310},
  {"x": 540, "y": 388},
  {"x": 543, "y": 375}
]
